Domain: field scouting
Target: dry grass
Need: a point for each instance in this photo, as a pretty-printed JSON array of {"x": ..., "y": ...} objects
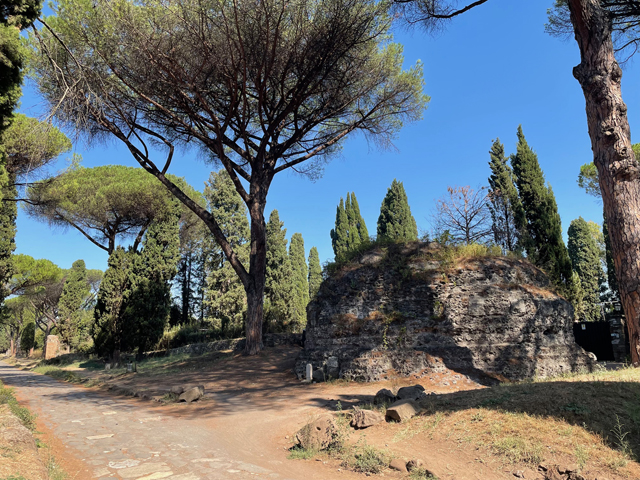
[{"x": 592, "y": 420}]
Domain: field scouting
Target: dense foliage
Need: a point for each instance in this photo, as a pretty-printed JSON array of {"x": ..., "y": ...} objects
[
  {"x": 395, "y": 223},
  {"x": 541, "y": 236}
]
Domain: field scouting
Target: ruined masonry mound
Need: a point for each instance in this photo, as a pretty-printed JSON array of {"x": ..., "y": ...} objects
[{"x": 402, "y": 310}]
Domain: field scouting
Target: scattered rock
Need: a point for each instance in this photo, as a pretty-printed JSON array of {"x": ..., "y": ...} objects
[
  {"x": 366, "y": 418},
  {"x": 318, "y": 434},
  {"x": 318, "y": 376},
  {"x": 566, "y": 469},
  {"x": 416, "y": 392},
  {"x": 384, "y": 396},
  {"x": 402, "y": 410},
  {"x": 415, "y": 463},
  {"x": 192, "y": 394},
  {"x": 399, "y": 465},
  {"x": 177, "y": 390}
]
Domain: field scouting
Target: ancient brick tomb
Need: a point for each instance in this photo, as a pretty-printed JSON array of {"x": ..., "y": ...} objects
[{"x": 414, "y": 309}]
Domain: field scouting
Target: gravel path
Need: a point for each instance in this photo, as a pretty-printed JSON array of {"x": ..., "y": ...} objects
[{"x": 120, "y": 438}]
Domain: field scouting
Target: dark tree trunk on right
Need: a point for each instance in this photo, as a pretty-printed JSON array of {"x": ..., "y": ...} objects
[{"x": 599, "y": 75}]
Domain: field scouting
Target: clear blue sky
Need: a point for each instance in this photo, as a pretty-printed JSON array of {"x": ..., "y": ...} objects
[{"x": 491, "y": 70}]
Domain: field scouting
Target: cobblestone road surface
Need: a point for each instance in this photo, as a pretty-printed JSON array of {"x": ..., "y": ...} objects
[{"x": 121, "y": 439}]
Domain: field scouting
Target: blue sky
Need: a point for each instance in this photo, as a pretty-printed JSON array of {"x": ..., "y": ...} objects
[{"x": 491, "y": 70}]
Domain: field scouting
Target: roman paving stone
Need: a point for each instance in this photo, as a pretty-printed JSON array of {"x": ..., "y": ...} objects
[{"x": 121, "y": 440}]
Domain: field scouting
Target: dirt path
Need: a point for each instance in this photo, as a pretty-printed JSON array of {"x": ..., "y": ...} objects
[{"x": 115, "y": 437}]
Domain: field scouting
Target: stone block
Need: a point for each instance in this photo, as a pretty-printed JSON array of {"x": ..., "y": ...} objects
[{"x": 52, "y": 347}]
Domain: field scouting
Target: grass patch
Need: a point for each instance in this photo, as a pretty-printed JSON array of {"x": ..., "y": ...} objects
[
  {"x": 365, "y": 458},
  {"x": 59, "y": 373},
  {"x": 7, "y": 397},
  {"x": 591, "y": 419},
  {"x": 299, "y": 453},
  {"x": 421, "y": 474}
]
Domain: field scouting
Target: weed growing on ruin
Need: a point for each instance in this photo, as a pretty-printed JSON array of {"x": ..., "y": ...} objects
[{"x": 620, "y": 438}]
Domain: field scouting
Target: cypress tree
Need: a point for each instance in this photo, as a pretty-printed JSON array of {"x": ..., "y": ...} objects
[
  {"x": 72, "y": 323},
  {"x": 350, "y": 229},
  {"x": 544, "y": 244},
  {"x": 135, "y": 295},
  {"x": 147, "y": 308},
  {"x": 395, "y": 222},
  {"x": 114, "y": 290},
  {"x": 300, "y": 283},
  {"x": 585, "y": 260},
  {"x": 358, "y": 221},
  {"x": 507, "y": 213},
  {"x": 279, "y": 286},
  {"x": 340, "y": 234},
  {"x": 315, "y": 272},
  {"x": 225, "y": 297}
]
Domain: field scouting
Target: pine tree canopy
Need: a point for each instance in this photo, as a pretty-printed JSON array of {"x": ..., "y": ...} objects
[
  {"x": 395, "y": 223},
  {"x": 315, "y": 272},
  {"x": 544, "y": 244},
  {"x": 586, "y": 261},
  {"x": 31, "y": 144},
  {"x": 106, "y": 204}
]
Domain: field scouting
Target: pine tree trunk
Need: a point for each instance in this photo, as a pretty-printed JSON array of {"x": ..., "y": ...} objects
[
  {"x": 599, "y": 75},
  {"x": 257, "y": 271},
  {"x": 255, "y": 286}
]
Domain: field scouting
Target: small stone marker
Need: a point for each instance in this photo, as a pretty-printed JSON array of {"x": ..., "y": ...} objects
[
  {"x": 129, "y": 367},
  {"x": 309, "y": 372},
  {"x": 52, "y": 347},
  {"x": 107, "y": 366}
]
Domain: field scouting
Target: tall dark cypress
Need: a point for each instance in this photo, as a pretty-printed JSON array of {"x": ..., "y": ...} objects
[
  {"x": 72, "y": 322},
  {"x": 585, "y": 259},
  {"x": 507, "y": 213},
  {"x": 395, "y": 222},
  {"x": 315, "y": 272},
  {"x": 278, "y": 292},
  {"x": 340, "y": 234},
  {"x": 300, "y": 283},
  {"x": 358, "y": 221},
  {"x": 544, "y": 244}
]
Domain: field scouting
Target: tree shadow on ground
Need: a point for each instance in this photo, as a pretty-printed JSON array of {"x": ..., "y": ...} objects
[{"x": 599, "y": 406}]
